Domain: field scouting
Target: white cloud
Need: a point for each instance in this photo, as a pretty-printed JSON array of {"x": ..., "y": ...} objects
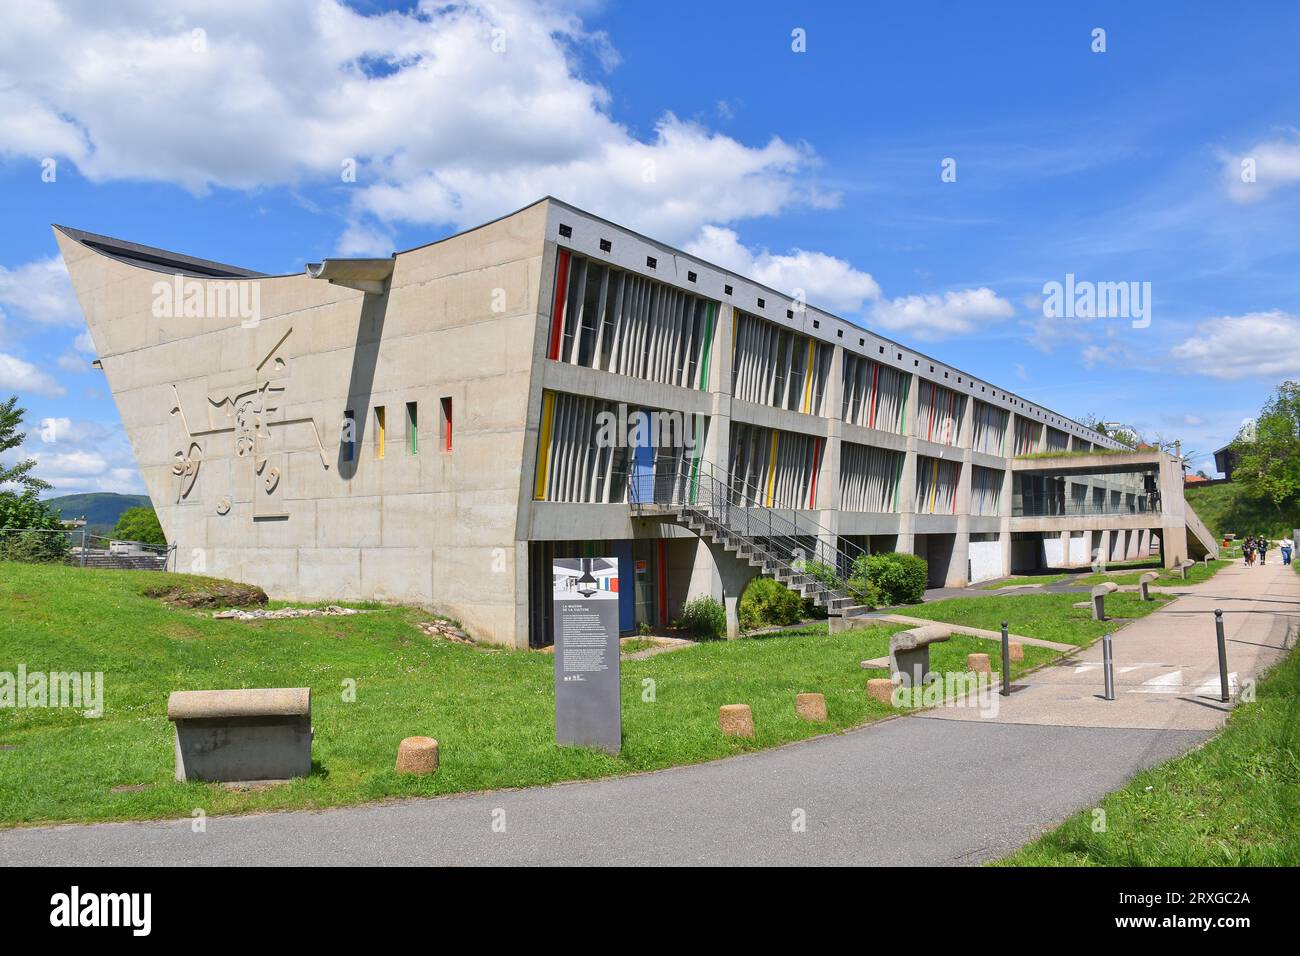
[
  {"x": 19, "y": 376},
  {"x": 364, "y": 241},
  {"x": 454, "y": 113},
  {"x": 78, "y": 463},
  {"x": 1242, "y": 346},
  {"x": 1276, "y": 163},
  {"x": 77, "y": 455},
  {"x": 827, "y": 282},
  {"x": 933, "y": 316},
  {"x": 40, "y": 292}
]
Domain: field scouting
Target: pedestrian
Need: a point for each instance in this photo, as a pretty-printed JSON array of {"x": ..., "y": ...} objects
[
  {"x": 1248, "y": 552},
  {"x": 1287, "y": 545},
  {"x": 1263, "y": 550}
]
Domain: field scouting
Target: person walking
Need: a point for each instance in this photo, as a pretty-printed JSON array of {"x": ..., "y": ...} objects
[
  {"x": 1248, "y": 552},
  {"x": 1287, "y": 544},
  {"x": 1263, "y": 550}
]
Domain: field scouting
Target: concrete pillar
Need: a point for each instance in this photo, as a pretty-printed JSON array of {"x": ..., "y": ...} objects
[
  {"x": 1065, "y": 549},
  {"x": 1103, "y": 547},
  {"x": 735, "y": 576}
]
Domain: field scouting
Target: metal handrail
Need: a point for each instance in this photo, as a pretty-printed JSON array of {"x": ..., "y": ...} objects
[{"x": 692, "y": 485}]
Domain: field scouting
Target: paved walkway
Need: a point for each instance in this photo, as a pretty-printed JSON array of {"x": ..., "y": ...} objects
[
  {"x": 1166, "y": 664},
  {"x": 915, "y": 790}
]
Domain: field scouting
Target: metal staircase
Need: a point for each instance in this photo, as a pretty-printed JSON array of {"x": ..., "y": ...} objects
[{"x": 801, "y": 554}]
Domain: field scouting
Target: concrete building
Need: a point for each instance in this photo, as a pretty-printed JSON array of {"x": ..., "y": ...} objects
[{"x": 434, "y": 428}]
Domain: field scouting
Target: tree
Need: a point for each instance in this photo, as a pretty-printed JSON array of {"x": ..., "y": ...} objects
[
  {"x": 30, "y": 526},
  {"x": 1268, "y": 456},
  {"x": 11, "y": 419},
  {"x": 140, "y": 524}
]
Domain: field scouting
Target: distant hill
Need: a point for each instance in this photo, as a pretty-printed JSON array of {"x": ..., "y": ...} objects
[{"x": 101, "y": 509}]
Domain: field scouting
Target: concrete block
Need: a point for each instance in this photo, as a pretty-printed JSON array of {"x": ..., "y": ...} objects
[
  {"x": 1016, "y": 650},
  {"x": 881, "y": 689},
  {"x": 241, "y": 735},
  {"x": 909, "y": 653},
  {"x": 736, "y": 720},
  {"x": 417, "y": 755},
  {"x": 810, "y": 706},
  {"x": 979, "y": 664}
]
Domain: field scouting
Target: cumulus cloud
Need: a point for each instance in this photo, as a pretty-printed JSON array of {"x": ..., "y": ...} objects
[
  {"x": 79, "y": 455},
  {"x": 1255, "y": 173},
  {"x": 934, "y": 316},
  {"x": 17, "y": 375},
  {"x": 826, "y": 282},
  {"x": 449, "y": 113},
  {"x": 40, "y": 292},
  {"x": 1241, "y": 346}
]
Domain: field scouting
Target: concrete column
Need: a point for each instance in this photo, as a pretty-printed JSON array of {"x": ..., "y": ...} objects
[
  {"x": 1103, "y": 546},
  {"x": 907, "y": 492},
  {"x": 828, "y": 479},
  {"x": 717, "y": 449},
  {"x": 1065, "y": 549},
  {"x": 735, "y": 576}
]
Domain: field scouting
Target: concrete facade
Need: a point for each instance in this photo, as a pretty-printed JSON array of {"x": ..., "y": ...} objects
[{"x": 404, "y": 429}]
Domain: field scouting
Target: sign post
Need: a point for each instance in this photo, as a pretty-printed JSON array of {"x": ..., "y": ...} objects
[{"x": 588, "y": 708}]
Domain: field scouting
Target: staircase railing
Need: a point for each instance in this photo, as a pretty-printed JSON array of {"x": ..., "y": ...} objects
[{"x": 735, "y": 508}]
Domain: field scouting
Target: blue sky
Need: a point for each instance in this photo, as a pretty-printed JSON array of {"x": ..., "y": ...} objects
[{"x": 221, "y": 130}]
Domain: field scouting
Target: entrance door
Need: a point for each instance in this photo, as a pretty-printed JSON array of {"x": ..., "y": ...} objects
[{"x": 647, "y": 583}]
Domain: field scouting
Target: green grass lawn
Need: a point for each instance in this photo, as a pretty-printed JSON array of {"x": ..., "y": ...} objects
[
  {"x": 1234, "y": 802},
  {"x": 1227, "y": 508},
  {"x": 492, "y": 710},
  {"x": 1167, "y": 578},
  {"x": 1047, "y": 616}
]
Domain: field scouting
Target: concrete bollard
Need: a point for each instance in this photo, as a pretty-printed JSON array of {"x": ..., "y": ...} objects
[
  {"x": 979, "y": 664},
  {"x": 1016, "y": 651},
  {"x": 1099, "y": 599},
  {"x": 417, "y": 755},
  {"x": 810, "y": 706},
  {"x": 736, "y": 720},
  {"x": 881, "y": 689},
  {"x": 1144, "y": 582}
]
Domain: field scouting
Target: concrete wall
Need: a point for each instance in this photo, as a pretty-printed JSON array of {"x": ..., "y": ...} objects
[{"x": 254, "y": 411}]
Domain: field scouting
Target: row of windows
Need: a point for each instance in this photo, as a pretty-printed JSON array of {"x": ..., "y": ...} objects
[
  {"x": 585, "y": 286},
  {"x": 379, "y": 438}
]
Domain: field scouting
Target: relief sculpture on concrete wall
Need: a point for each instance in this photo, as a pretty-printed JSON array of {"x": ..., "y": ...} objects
[{"x": 248, "y": 415}]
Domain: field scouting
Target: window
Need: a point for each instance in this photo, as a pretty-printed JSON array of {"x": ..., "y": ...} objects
[
  {"x": 349, "y": 436},
  {"x": 379, "y": 431},
  {"x": 446, "y": 423},
  {"x": 412, "y": 428}
]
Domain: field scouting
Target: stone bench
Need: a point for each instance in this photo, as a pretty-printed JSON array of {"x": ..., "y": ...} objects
[
  {"x": 909, "y": 653},
  {"x": 242, "y": 735},
  {"x": 1144, "y": 583},
  {"x": 1183, "y": 566},
  {"x": 1097, "y": 600}
]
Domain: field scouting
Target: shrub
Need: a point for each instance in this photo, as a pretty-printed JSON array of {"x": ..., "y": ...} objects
[
  {"x": 767, "y": 602},
  {"x": 704, "y": 618},
  {"x": 897, "y": 578},
  {"x": 33, "y": 547}
]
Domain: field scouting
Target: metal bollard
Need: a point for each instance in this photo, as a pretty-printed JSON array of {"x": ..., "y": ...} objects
[
  {"x": 1108, "y": 665},
  {"x": 1223, "y": 656},
  {"x": 1006, "y": 662}
]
